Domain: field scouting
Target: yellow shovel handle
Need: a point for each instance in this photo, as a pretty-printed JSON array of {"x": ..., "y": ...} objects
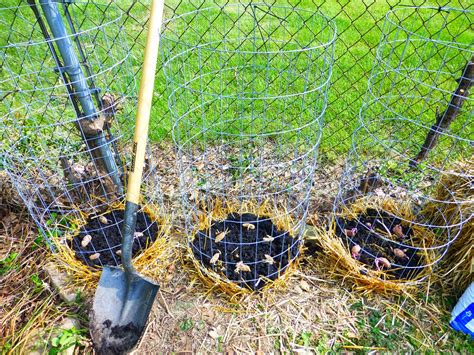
[{"x": 144, "y": 101}]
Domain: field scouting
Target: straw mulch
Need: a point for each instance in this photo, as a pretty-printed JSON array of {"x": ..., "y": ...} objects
[
  {"x": 364, "y": 279},
  {"x": 455, "y": 193}
]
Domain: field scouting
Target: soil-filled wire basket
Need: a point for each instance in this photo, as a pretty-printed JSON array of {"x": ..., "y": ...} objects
[
  {"x": 415, "y": 123},
  {"x": 67, "y": 119},
  {"x": 248, "y": 87}
]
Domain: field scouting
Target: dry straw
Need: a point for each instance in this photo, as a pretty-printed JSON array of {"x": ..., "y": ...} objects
[{"x": 455, "y": 189}]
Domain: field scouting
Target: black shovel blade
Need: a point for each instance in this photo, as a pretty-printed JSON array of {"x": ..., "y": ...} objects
[{"x": 121, "y": 308}]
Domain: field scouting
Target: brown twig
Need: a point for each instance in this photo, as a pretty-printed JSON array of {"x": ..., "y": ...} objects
[{"x": 444, "y": 120}]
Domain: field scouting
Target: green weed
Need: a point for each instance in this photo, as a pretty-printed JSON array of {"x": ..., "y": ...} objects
[
  {"x": 65, "y": 339},
  {"x": 9, "y": 263},
  {"x": 186, "y": 324}
]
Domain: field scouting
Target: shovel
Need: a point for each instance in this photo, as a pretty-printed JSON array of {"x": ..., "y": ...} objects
[{"x": 123, "y": 298}]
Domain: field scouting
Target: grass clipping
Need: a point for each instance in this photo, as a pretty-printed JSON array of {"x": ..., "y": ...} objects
[
  {"x": 153, "y": 262},
  {"x": 219, "y": 210},
  {"x": 455, "y": 191},
  {"x": 366, "y": 280}
]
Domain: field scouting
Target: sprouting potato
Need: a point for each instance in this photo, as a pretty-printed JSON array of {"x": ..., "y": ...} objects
[
  {"x": 220, "y": 236},
  {"x": 215, "y": 258},
  {"x": 269, "y": 259},
  {"x": 241, "y": 267},
  {"x": 248, "y": 225},
  {"x": 86, "y": 240},
  {"x": 399, "y": 253},
  {"x": 94, "y": 256},
  {"x": 381, "y": 263}
]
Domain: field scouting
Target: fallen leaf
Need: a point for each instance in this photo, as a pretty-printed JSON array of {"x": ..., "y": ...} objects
[
  {"x": 118, "y": 252},
  {"x": 137, "y": 234}
]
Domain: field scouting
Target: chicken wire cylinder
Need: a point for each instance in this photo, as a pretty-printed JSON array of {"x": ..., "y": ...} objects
[
  {"x": 68, "y": 91},
  {"x": 248, "y": 87},
  {"x": 415, "y": 126},
  {"x": 419, "y": 103}
]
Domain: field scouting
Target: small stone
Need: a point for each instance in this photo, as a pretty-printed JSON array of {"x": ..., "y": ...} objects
[
  {"x": 60, "y": 282},
  {"x": 213, "y": 334},
  {"x": 103, "y": 220},
  {"x": 69, "y": 323}
]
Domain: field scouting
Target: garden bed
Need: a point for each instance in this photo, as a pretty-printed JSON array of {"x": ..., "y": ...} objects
[
  {"x": 365, "y": 232},
  {"x": 246, "y": 248},
  {"x": 105, "y": 238}
]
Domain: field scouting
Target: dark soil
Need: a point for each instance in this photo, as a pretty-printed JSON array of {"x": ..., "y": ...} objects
[
  {"x": 116, "y": 340},
  {"x": 107, "y": 238},
  {"x": 368, "y": 225},
  {"x": 246, "y": 245}
]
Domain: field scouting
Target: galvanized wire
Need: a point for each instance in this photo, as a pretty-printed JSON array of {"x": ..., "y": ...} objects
[
  {"x": 248, "y": 92},
  {"x": 421, "y": 64},
  {"x": 355, "y": 51},
  {"x": 49, "y": 146}
]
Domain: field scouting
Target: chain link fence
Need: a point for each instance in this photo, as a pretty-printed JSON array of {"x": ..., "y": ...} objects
[{"x": 359, "y": 26}]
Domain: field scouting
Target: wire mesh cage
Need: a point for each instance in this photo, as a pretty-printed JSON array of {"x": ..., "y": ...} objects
[
  {"x": 248, "y": 87},
  {"x": 68, "y": 95},
  {"x": 415, "y": 125}
]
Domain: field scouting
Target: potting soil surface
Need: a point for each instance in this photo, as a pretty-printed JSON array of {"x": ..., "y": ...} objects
[
  {"x": 242, "y": 243},
  {"x": 106, "y": 238},
  {"x": 368, "y": 225}
]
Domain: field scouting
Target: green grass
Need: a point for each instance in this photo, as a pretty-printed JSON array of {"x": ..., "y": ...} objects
[
  {"x": 349, "y": 80},
  {"x": 358, "y": 36}
]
